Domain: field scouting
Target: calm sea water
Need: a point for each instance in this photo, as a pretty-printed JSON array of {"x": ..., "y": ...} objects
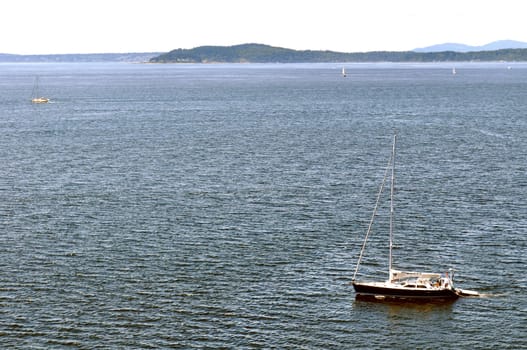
[{"x": 224, "y": 206}]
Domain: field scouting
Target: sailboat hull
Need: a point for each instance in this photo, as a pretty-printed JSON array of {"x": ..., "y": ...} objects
[{"x": 389, "y": 291}]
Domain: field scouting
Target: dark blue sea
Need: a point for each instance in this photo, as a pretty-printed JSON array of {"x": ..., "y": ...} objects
[{"x": 224, "y": 206}]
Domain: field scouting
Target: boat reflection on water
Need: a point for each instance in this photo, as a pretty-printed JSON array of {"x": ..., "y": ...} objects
[{"x": 418, "y": 303}]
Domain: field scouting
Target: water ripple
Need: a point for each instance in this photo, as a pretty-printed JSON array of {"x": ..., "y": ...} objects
[{"x": 224, "y": 207}]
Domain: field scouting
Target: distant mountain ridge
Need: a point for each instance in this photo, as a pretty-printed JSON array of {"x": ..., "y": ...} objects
[{"x": 495, "y": 45}]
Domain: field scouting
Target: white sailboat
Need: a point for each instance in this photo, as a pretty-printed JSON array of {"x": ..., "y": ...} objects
[
  {"x": 35, "y": 98},
  {"x": 454, "y": 71},
  {"x": 344, "y": 72},
  {"x": 409, "y": 285}
]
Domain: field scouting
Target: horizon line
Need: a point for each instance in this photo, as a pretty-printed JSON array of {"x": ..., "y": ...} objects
[{"x": 253, "y": 43}]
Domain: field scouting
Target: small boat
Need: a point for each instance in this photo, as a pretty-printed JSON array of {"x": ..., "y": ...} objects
[
  {"x": 344, "y": 72},
  {"x": 40, "y": 100},
  {"x": 454, "y": 71},
  {"x": 406, "y": 285},
  {"x": 35, "y": 95}
]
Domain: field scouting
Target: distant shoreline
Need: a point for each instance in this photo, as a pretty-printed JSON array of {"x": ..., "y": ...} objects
[
  {"x": 131, "y": 57},
  {"x": 258, "y": 53}
]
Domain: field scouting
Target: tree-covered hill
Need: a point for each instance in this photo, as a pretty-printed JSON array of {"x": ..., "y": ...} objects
[{"x": 258, "y": 53}]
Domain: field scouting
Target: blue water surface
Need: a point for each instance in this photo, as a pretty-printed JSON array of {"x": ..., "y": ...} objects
[{"x": 224, "y": 206}]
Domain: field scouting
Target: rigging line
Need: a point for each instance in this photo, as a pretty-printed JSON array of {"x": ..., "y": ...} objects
[
  {"x": 392, "y": 189},
  {"x": 373, "y": 215}
]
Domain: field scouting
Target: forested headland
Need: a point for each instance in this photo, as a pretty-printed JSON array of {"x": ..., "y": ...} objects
[{"x": 258, "y": 53}]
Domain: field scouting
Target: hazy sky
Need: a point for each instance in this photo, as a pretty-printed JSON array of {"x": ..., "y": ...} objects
[{"x": 96, "y": 26}]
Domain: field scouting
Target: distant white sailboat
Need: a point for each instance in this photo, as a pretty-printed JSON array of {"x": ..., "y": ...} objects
[
  {"x": 454, "y": 71},
  {"x": 35, "y": 98},
  {"x": 344, "y": 72}
]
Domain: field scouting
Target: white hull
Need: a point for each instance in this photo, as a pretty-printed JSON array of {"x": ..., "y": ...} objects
[{"x": 40, "y": 100}]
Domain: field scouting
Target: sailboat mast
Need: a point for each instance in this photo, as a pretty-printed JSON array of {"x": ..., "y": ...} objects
[
  {"x": 392, "y": 186},
  {"x": 34, "y": 93}
]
